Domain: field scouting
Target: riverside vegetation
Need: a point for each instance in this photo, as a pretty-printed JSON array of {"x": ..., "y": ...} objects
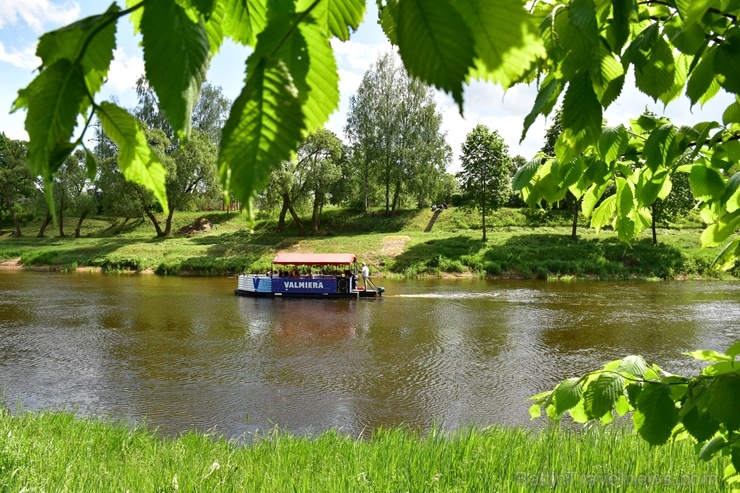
[
  {"x": 523, "y": 243},
  {"x": 90, "y": 455}
]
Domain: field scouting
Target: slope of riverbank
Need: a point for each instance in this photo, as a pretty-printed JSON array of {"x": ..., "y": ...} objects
[{"x": 521, "y": 244}]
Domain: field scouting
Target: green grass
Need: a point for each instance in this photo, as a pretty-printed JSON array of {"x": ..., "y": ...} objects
[
  {"x": 58, "y": 452},
  {"x": 521, "y": 243}
]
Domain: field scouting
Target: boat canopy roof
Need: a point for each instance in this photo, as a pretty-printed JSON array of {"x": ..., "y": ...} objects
[{"x": 314, "y": 259}]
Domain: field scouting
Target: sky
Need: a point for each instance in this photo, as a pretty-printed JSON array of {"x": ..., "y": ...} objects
[{"x": 23, "y": 21}]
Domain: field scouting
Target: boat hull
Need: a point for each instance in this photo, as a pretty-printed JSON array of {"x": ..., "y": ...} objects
[
  {"x": 350, "y": 295},
  {"x": 261, "y": 286}
]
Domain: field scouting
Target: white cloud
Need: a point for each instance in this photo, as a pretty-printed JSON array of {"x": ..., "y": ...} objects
[
  {"x": 25, "y": 58},
  {"x": 37, "y": 13},
  {"x": 124, "y": 70}
]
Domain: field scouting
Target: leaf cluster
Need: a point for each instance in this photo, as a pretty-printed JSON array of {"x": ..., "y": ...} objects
[{"x": 705, "y": 407}]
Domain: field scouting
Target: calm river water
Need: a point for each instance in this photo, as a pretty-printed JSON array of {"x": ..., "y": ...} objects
[{"x": 185, "y": 353}]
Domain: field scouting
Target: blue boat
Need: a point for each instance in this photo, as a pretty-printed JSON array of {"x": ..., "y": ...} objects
[{"x": 309, "y": 275}]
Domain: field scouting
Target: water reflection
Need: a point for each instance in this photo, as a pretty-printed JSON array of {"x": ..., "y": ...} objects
[{"x": 183, "y": 353}]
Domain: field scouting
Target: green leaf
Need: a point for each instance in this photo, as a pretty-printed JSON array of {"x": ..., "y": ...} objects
[
  {"x": 650, "y": 185},
  {"x": 214, "y": 28},
  {"x": 700, "y": 80},
  {"x": 625, "y": 197},
  {"x": 733, "y": 350},
  {"x": 310, "y": 61},
  {"x": 607, "y": 75},
  {"x": 622, "y": 406},
  {"x": 244, "y": 20},
  {"x": 731, "y": 114},
  {"x": 265, "y": 125},
  {"x": 388, "y": 19},
  {"x": 176, "y": 58},
  {"x": 601, "y": 394},
  {"x": 706, "y": 183},
  {"x": 535, "y": 411},
  {"x": 708, "y": 355},
  {"x": 727, "y": 64},
  {"x": 567, "y": 395},
  {"x": 52, "y": 114},
  {"x": 136, "y": 159},
  {"x": 726, "y": 258},
  {"x": 506, "y": 42},
  {"x": 612, "y": 143},
  {"x": 711, "y": 448},
  {"x": 687, "y": 39},
  {"x": 69, "y": 41},
  {"x": 525, "y": 174},
  {"x": 591, "y": 198},
  {"x": 436, "y": 44},
  {"x": 654, "y": 63},
  {"x": 578, "y": 413},
  {"x": 91, "y": 164},
  {"x": 660, "y": 147},
  {"x": 679, "y": 81},
  {"x": 570, "y": 173},
  {"x": 656, "y": 413},
  {"x": 204, "y": 7},
  {"x": 315, "y": 75},
  {"x": 546, "y": 98},
  {"x": 700, "y": 425},
  {"x": 633, "y": 365},
  {"x": 693, "y": 10},
  {"x": 724, "y": 403},
  {"x": 336, "y": 17},
  {"x": 581, "y": 118},
  {"x": 721, "y": 368},
  {"x": 619, "y": 24}
]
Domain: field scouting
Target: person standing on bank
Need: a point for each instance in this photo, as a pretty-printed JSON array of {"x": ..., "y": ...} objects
[{"x": 365, "y": 274}]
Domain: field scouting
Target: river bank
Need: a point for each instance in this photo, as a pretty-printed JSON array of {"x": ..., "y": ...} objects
[
  {"x": 56, "y": 451},
  {"x": 521, "y": 245}
]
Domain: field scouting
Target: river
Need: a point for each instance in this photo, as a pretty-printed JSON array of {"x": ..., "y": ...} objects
[{"x": 187, "y": 354}]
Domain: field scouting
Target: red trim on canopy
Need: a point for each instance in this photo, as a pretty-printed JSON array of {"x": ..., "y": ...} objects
[{"x": 314, "y": 258}]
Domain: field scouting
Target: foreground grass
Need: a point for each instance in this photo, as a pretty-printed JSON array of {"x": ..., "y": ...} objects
[
  {"x": 58, "y": 452},
  {"x": 522, "y": 243}
]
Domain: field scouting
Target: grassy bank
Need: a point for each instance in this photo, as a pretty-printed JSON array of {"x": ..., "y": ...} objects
[
  {"x": 57, "y": 452},
  {"x": 522, "y": 243}
]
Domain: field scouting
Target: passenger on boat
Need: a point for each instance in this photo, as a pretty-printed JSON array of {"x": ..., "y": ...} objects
[{"x": 365, "y": 274}]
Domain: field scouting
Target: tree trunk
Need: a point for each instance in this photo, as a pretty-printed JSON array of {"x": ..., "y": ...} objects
[
  {"x": 61, "y": 216},
  {"x": 283, "y": 212},
  {"x": 168, "y": 222},
  {"x": 655, "y": 234},
  {"x": 396, "y": 198},
  {"x": 154, "y": 221},
  {"x": 296, "y": 219},
  {"x": 315, "y": 216},
  {"x": 120, "y": 228},
  {"x": 16, "y": 222},
  {"x": 366, "y": 185},
  {"x": 574, "y": 231},
  {"x": 483, "y": 206},
  {"x": 79, "y": 223},
  {"x": 46, "y": 222}
]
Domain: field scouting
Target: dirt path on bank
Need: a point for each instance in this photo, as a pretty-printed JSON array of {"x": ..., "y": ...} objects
[{"x": 11, "y": 264}]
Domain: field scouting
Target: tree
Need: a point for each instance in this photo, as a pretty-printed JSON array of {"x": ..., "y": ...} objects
[
  {"x": 485, "y": 170},
  {"x": 320, "y": 155},
  {"x": 193, "y": 175},
  {"x": 393, "y": 126},
  {"x": 16, "y": 183}
]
